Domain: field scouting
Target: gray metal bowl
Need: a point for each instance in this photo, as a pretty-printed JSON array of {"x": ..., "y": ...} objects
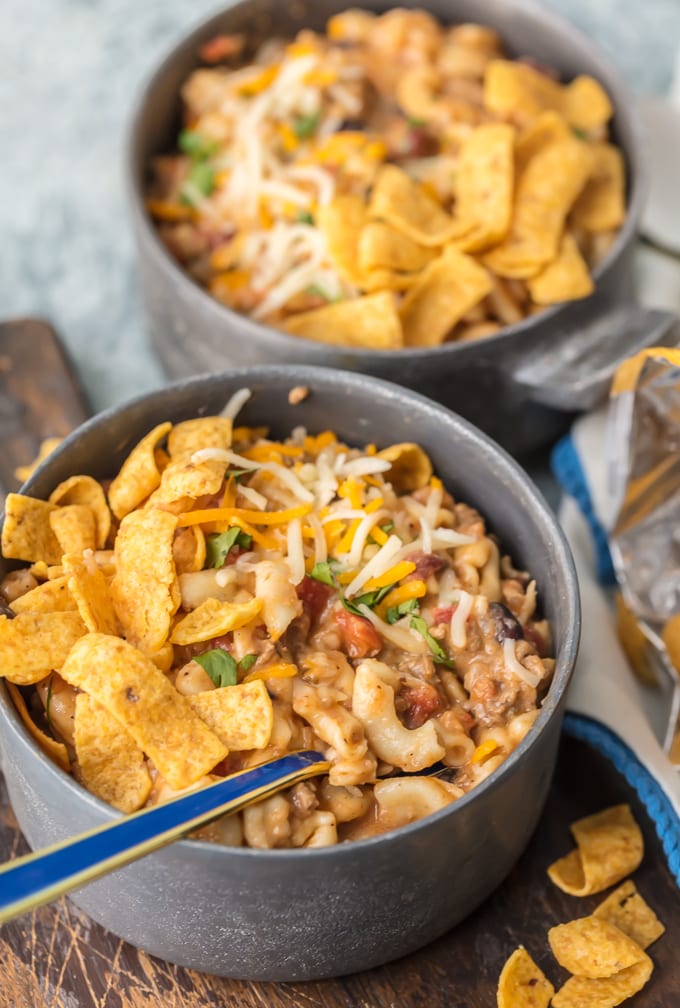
[
  {"x": 304, "y": 914},
  {"x": 523, "y": 385}
]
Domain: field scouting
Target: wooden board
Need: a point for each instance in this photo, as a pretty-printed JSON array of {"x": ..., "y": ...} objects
[
  {"x": 57, "y": 957},
  {"x": 39, "y": 394}
]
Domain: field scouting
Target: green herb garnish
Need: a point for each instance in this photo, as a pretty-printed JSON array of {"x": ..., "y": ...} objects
[
  {"x": 218, "y": 545},
  {"x": 418, "y": 623},
  {"x": 304, "y": 217},
  {"x": 315, "y": 291},
  {"x": 322, "y": 572},
  {"x": 305, "y": 126},
  {"x": 247, "y": 662},
  {"x": 369, "y": 599},
  {"x": 199, "y": 182},
  {"x": 580, "y": 133},
  {"x": 220, "y": 666},
  {"x": 197, "y": 146},
  {"x": 395, "y": 613}
]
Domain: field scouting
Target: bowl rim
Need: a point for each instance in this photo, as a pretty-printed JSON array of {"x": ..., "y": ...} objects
[
  {"x": 505, "y": 471},
  {"x": 637, "y": 184}
]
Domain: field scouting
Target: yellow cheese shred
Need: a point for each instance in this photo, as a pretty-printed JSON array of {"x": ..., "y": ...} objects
[{"x": 396, "y": 573}]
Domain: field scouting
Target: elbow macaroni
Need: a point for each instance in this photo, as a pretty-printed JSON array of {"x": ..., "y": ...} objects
[{"x": 406, "y": 675}]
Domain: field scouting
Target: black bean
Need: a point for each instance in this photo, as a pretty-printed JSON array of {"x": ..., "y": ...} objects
[
  {"x": 508, "y": 626},
  {"x": 356, "y": 125}
]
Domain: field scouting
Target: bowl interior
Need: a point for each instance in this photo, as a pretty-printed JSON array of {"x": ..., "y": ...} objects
[
  {"x": 525, "y": 28},
  {"x": 359, "y": 409}
]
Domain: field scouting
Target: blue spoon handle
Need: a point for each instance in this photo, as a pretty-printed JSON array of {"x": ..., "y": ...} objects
[{"x": 46, "y": 874}]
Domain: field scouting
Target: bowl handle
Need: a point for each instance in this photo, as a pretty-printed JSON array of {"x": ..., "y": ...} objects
[{"x": 574, "y": 373}]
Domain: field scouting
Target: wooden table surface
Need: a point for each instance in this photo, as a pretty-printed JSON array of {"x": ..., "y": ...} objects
[{"x": 56, "y": 957}]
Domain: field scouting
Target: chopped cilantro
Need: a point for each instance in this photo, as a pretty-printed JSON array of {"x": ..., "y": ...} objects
[
  {"x": 200, "y": 180},
  {"x": 247, "y": 662},
  {"x": 305, "y": 126},
  {"x": 415, "y": 123},
  {"x": 369, "y": 599},
  {"x": 395, "y": 613},
  {"x": 220, "y": 666},
  {"x": 317, "y": 291},
  {"x": 197, "y": 146},
  {"x": 322, "y": 572},
  {"x": 419, "y": 624},
  {"x": 304, "y": 217},
  {"x": 580, "y": 133},
  {"x": 218, "y": 545}
]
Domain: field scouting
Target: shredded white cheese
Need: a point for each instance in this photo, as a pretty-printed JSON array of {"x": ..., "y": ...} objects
[
  {"x": 401, "y": 636},
  {"x": 377, "y": 565},
  {"x": 516, "y": 667},
  {"x": 236, "y": 403},
  {"x": 465, "y": 601},
  {"x": 296, "y": 556}
]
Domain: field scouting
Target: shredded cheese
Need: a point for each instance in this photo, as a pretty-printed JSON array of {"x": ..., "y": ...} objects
[
  {"x": 279, "y": 670},
  {"x": 401, "y": 636},
  {"x": 296, "y": 556},
  {"x": 234, "y": 514},
  {"x": 516, "y": 667},
  {"x": 460, "y": 617},
  {"x": 377, "y": 565},
  {"x": 396, "y": 573},
  {"x": 236, "y": 403},
  {"x": 402, "y": 593}
]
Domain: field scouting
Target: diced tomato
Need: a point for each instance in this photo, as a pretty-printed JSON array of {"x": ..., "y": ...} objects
[
  {"x": 443, "y": 614},
  {"x": 314, "y": 595},
  {"x": 221, "y": 47},
  {"x": 359, "y": 635},
  {"x": 420, "y": 701}
]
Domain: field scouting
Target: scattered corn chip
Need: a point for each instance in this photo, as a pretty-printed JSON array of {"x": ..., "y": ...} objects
[
  {"x": 515, "y": 88},
  {"x": 55, "y": 750},
  {"x": 74, "y": 527},
  {"x": 241, "y": 716},
  {"x": 402, "y": 202},
  {"x": 545, "y": 129},
  {"x": 604, "y": 992},
  {"x": 602, "y": 204},
  {"x": 566, "y": 278},
  {"x": 545, "y": 192},
  {"x": 445, "y": 290},
  {"x": 411, "y": 466},
  {"x": 51, "y": 596},
  {"x": 90, "y": 589},
  {"x": 85, "y": 490},
  {"x": 484, "y": 187},
  {"x": 522, "y": 984},
  {"x": 26, "y": 533},
  {"x": 189, "y": 549},
  {"x": 111, "y": 764},
  {"x": 201, "y": 432},
  {"x": 341, "y": 222},
  {"x": 593, "y": 947},
  {"x": 626, "y": 909},
  {"x": 140, "y": 697},
  {"x": 184, "y": 479},
  {"x": 33, "y": 644},
  {"x": 384, "y": 248},
  {"x": 138, "y": 476},
  {"x": 144, "y": 591},
  {"x": 609, "y": 847},
  {"x": 371, "y": 321},
  {"x": 213, "y": 618}
]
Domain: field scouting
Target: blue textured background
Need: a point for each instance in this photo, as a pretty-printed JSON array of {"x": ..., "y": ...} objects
[{"x": 69, "y": 70}]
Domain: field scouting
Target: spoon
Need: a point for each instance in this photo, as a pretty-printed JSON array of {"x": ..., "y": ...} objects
[{"x": 43, "y": 876}]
